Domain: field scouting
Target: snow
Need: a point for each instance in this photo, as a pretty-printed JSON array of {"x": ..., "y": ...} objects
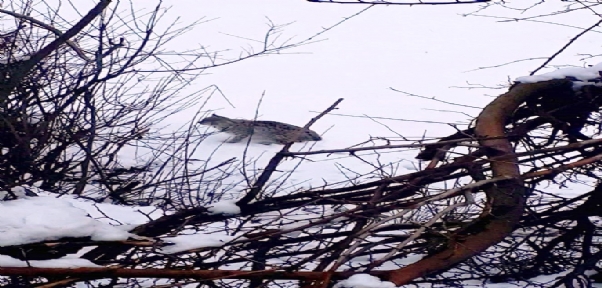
[
  {"x": 195, "y": 241},
  {"x": 363, "y": 281},
  {"x": 226, "y": 207},
  {"x": 43, "y": 218},
  {"x": 127, "y": 217},
  {"x": 65, "y": 262},
  {"x": 581, "y": 76}
]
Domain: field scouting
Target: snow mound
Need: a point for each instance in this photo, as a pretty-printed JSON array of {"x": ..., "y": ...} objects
[
  {"x": 37, "y": 219},
  {"x": 189, "y": 242},
  {"x": 580, "y": 76},
  {"x": 363, "y": 281},
  {"x": 65, "y": 262},
  {"x": 226, "y": 207}
]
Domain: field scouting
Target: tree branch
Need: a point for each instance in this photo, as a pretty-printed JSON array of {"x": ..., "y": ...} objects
[
  {"x": 273, "y": 164},
  {"x": 505, "y": 200},
  {"x": 50, "y": 28}
]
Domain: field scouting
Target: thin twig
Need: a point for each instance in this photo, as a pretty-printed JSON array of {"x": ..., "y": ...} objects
[
  {"x": 273, "y": 164},
  {"x": 565, "y": 46},
  {"x": 50, "y": 28}
]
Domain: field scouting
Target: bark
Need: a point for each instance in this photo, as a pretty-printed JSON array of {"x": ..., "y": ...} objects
[{"x": 505, "y": 200}]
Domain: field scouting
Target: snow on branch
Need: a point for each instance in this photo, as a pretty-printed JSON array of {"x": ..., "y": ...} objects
[{"x": 409, "y": 3}]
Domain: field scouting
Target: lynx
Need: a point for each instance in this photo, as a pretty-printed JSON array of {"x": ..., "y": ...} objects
[{"x": 266, "y": 132}]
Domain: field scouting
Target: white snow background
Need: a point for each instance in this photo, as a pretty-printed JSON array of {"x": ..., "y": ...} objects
[{"x": 430, "y": 51}]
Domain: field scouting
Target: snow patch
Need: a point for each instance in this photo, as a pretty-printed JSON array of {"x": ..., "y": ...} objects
[
  {"x": 65, "y": 262},
  {"x": 190, "y": 242},
  {"x": 37, "y": 219},
  {"x": 364, "y": 281},
  {"x": 227, "y": 207},
  {"x": 580, "y": 76}
]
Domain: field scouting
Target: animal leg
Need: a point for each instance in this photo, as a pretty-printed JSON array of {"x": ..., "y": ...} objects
[
  {"x": 236, "y": 138},
  {"x": 282, "y": 141}
]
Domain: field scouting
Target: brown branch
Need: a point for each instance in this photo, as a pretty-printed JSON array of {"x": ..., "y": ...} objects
[
  {"x": 108, "y": 272},
  {"x": 275, "y": 161},
  {"x": 432, "y": 150},
  {"x": 105, "y": 272},
  {"x": 505, "y": 200},
  {"x": 349, "y": 150},
  {"x": 555, "y": 171},
  {"x": 25, "y": 67},
  {"x": 50, "y": 28}
]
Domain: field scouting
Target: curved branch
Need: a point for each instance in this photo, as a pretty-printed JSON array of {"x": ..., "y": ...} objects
[
  {"x": 50, "y": 28},
  {"x": 505, "y": 199},
  {"x": 19, "y": 72}
]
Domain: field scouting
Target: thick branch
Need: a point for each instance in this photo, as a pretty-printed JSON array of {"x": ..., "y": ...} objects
[
  {"x": 103, "y": 272},
  {"x": 505, "y": 199},
  {"x": 379, "y": 147},
  {"x": 25, "y": 67},
  {"x": 411, "y": 3},
  {"x": 50, "y": 28}
]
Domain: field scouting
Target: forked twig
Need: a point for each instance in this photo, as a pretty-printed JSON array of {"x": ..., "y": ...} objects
[
  {"x": 275, "y": 161},
  {"x": 50, "y": 28}
]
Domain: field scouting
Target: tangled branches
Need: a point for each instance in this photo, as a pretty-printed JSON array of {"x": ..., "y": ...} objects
[
  {"x": 376, "y": 226},
  {"x": 480, "y": 209}
]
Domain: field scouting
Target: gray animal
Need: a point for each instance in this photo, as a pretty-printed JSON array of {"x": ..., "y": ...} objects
[{"x": 266, "y": 132}]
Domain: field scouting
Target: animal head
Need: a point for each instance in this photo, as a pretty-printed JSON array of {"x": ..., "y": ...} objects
[
  {"x": 307, "y": 135},
  {"x": 214, "y": 119},
  {"x": 313, "y": 135}
]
